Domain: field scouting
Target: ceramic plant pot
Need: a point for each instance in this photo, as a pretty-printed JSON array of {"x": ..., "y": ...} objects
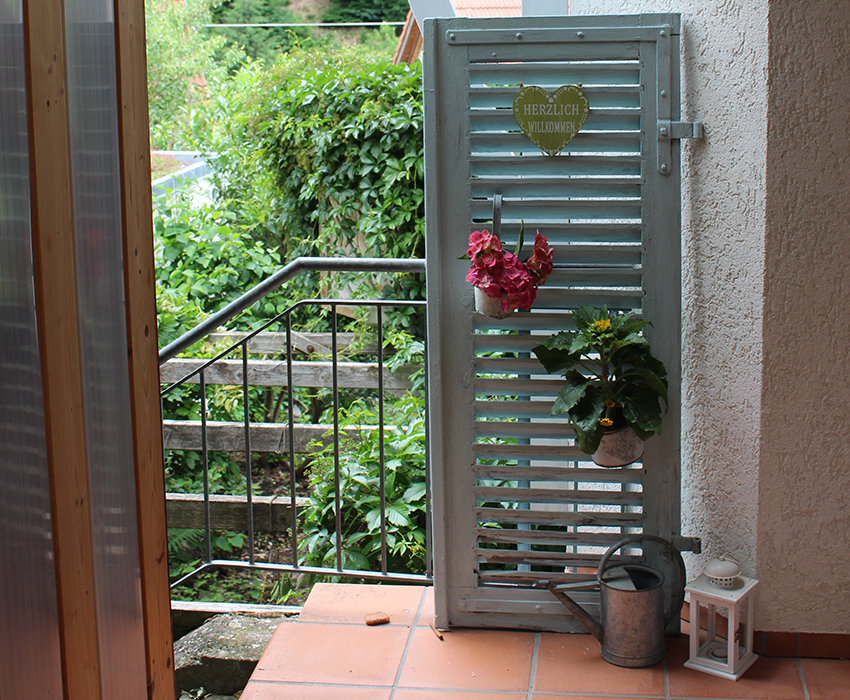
[
  {"x": 618, "y": 448},
  {"x": 488, "y": 305}
]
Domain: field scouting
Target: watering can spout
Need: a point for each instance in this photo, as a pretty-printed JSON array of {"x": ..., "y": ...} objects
[{"x": 585, "y": 618}]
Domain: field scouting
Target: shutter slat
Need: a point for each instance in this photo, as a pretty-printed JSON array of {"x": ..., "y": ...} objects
[
  {"x": 508, "y": 365},
  {"x": 559, "y": 518},
  {"x": 549, "y": 453},
  {"x": 559, "y": 231},
  {"x": 587, "y": 73},
  {"x": 534, "y": 495},
  {"x": 501, "y": 556},
  {"x": 518, "y": 387},
  {"x": 551, "y": 297},
  {"x": 594, "y": 475},
  {"x": 569, "y": 539},
  {"x": 553, "y": 186},
  {"x": 502, "y": 119},
  {"x": 625, "y": 258},
  {"x": 527, "y": 578},
  {"x": 520, "y": 430},
  {"x": 537, "y": 163},
  {"x": 626, "y": 51},
  {"x": 512, "y": 409},
  {"x": 533, "y": 210},
  {"x": 612, "y": 143},
  {"x": 598, "y": 96}
]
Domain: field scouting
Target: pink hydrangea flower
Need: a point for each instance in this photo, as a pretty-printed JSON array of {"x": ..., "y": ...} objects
[
  {"x": 540, "y": 262},
  {"x": 502, "y": 275},
  {"x": 482, "y": 242}
]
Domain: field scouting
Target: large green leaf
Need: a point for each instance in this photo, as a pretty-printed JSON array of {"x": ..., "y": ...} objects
[
  {"x": 560, "y": 341},
  {"x": 634, "y": 326},
  {"x": 642, "y": 409},
  {"x": 652, "y": 381},
  {"x": 554, "y": 360},
  {"x": 588, "y": 440},
  {"x": 581, "y": 345},
  {"x": 587, "y": 412},
  {"x": 585, "y": 316},
  {"x": 574, "y": 387}
]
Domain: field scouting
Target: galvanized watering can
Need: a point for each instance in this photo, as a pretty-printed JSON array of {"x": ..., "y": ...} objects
[{"x": 631, "y": 629}]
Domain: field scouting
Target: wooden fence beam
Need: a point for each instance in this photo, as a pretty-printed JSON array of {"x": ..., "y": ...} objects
[
  {"x": 273, "y": 343},
  {"x": 351, "y": 375},
  {"x": 271, "y": 513},
  {"x": 265, "y": 437}
]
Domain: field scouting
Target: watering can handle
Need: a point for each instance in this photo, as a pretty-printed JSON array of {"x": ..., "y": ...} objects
[{"x": 632, "y": 539}]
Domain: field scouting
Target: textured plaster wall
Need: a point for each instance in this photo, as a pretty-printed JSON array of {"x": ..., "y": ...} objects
[
  {"x": 804, "y": 484},
  {"x": 724, "y": 84}
]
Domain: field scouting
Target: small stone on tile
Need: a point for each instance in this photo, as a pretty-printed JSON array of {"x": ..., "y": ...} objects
[{"x": 377, "y": 618}]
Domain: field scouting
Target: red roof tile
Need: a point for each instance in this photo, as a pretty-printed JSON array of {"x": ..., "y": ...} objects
[{"x": 488, "y": 8}]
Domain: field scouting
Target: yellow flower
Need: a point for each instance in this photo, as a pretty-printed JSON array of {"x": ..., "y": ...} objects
[
  {"x": 607, "y": 422},
  {"x": 602, "y": 325},
  {"x": 610, "y": 404}
]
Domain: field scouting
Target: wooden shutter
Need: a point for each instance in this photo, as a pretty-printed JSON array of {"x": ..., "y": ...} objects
[{"x": 514, "y": 499}]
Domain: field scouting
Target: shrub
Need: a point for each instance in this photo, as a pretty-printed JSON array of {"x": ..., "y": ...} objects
[{"x": 404, "y": 453}]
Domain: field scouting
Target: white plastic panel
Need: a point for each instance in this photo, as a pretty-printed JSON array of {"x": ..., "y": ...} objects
[
  {"x": 93, "y": 117},
  {"x": 29, "y": 644}
]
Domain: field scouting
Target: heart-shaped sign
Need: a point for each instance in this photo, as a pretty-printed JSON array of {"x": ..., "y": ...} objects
[{"x": 551, "y": 120}]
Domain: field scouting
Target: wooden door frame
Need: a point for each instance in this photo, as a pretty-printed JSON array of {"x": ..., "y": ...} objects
[{"x": 58, "y": 330}]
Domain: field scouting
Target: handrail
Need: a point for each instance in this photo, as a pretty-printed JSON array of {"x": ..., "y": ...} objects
[{"x": 269, "y": 284}]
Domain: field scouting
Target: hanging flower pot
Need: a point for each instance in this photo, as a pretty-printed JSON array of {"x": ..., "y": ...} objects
[
  {"x": 613, "y": 385},
  {"x": 489, "y": 306},
  {"x": 617, "y": 448},
  {"x": 503, "y": 282}
]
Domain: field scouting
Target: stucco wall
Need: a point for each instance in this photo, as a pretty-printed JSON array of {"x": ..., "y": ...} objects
[
  {"x": 804, "y": 485},
  {"x": 724, "y": 84}
]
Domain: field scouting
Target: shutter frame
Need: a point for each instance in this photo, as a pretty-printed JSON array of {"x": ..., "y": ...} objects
[{"x": 628, "y": 257}]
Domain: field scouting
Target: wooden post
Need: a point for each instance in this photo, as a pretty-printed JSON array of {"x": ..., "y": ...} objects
[
  {"x": 140, "y": 296},
  {"x": 59, "y": 344}
]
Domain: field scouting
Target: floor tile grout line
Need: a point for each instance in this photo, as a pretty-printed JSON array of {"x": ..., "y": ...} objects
[
  {"x": 666, "y": 677},
  {"x": 803, "y": 679},
  {"x": 413, "y": 627},
  {"x": 533, "y": 673}
]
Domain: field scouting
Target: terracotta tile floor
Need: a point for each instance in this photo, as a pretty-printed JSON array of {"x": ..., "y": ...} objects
[{"x": 330, "y": 654}]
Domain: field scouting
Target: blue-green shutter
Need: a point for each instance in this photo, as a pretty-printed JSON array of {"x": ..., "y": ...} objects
[{"x": 514, "y": 499}]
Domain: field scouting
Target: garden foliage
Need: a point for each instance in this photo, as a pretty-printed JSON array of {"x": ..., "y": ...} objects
[
  {"x": 182, "y": 59},
  {"x": 319, "y": 154},
  {"x": 367, "y": 11},
  {"x": 404, "y": 489}
]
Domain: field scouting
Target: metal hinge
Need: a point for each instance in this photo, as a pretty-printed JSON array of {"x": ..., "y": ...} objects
[{"x": 669, "y": 130}]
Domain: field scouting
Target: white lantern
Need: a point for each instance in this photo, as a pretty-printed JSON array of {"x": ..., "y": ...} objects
[{"x": 721, "y": 586}]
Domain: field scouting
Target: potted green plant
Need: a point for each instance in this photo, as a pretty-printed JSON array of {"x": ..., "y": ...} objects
[{"x": 613, "y": 385}]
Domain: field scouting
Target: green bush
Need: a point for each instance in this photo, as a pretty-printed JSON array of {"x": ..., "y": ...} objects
[
  {"x": 404, "y": 488},
  {"x": 323, "y": 155},
  {"x": 258, "y": 43},
  {"x": 367, "y": 11},
  {"x": 182, "y": 58}
]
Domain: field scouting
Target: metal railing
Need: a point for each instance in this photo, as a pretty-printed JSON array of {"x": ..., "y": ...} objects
[{"x": 200, "y": 372}]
